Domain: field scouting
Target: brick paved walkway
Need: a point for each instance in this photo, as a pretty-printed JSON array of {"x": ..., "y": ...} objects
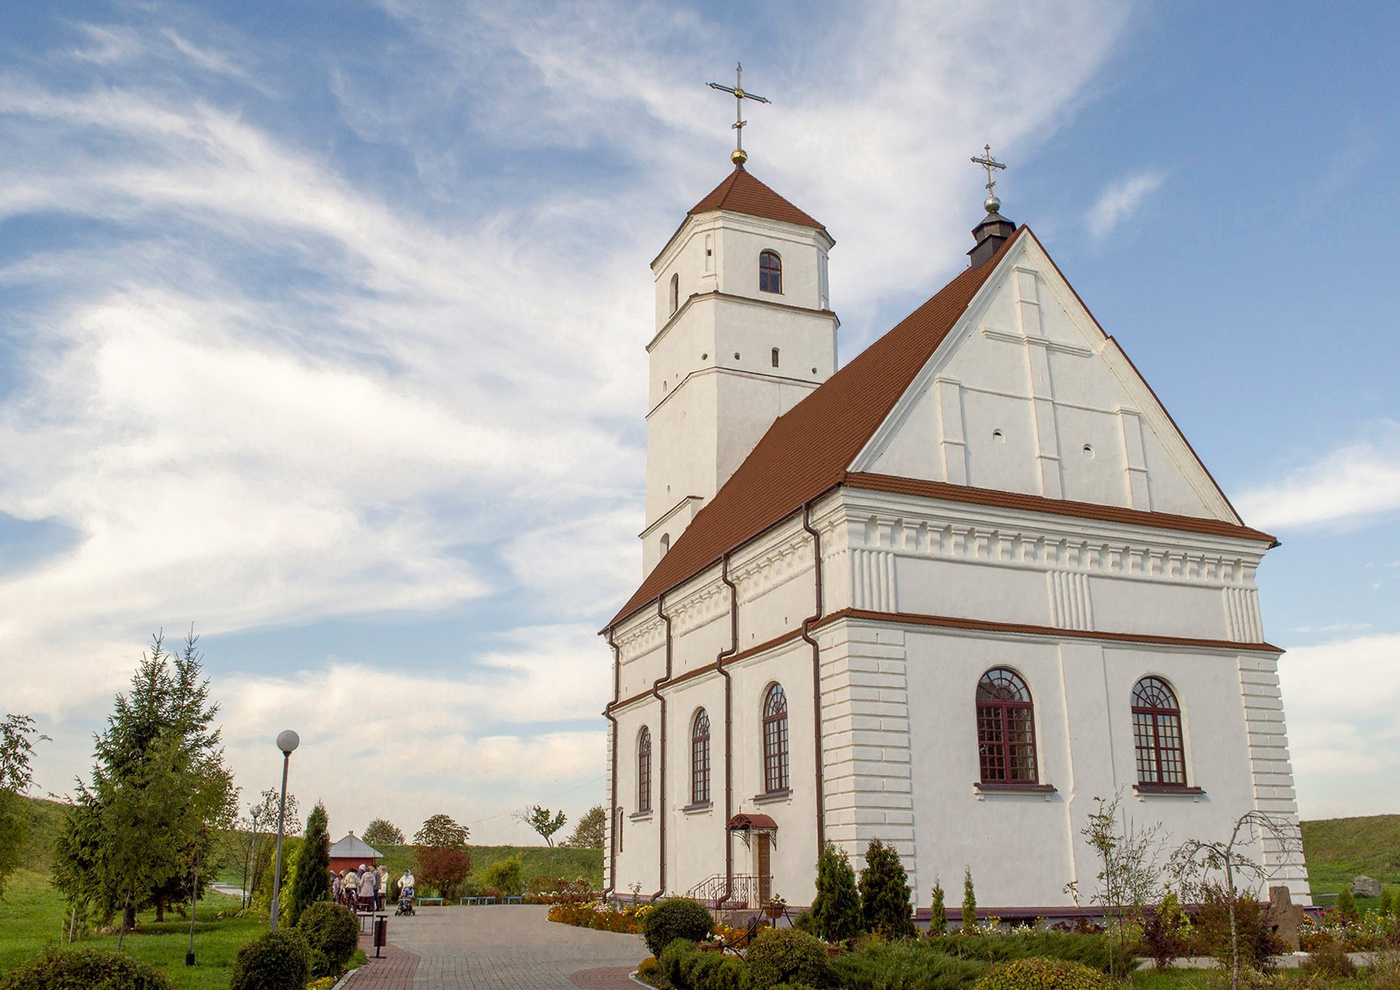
[{"x": 497, "y": 948}]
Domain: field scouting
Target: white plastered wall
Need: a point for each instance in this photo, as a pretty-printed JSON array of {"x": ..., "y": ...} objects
[{"x": 1026, "y": 382}]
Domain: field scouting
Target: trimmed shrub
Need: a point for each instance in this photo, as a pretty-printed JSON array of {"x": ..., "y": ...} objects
[
  {"x": 1044, "y": 974},
  {"x": 676, "y": 917},
  {"x": 85, "y": 969},
  {"x": 884, "y": 893},
  {"x": 905, "y": 965},
  {"x": 836, "y": 914},
  {"x": 786, "y": 955},
  {"x": 279, "y": 960},
  {"x": 1094, "y": 951},
  {"x": 686, "y": 968},
  {"x": 333, "y": 934},
  {"x": 648, "y": 968}
]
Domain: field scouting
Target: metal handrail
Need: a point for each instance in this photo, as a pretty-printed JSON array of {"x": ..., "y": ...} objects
[{"x": 743, "y": 890}]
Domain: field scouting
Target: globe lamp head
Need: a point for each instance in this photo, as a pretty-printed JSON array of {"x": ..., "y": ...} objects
[{"x": 287, "y": 740}]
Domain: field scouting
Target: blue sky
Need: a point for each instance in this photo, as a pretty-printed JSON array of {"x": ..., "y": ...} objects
[{"x": 322, "y": 326}]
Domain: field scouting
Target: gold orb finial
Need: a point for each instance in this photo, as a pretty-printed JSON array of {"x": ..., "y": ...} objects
[{"x": 738, "y": 156}]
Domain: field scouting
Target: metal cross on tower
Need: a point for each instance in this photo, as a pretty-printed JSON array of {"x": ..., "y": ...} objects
[
  {"x": 739, "y": 156},
  {"x": 992, "y": 205}
]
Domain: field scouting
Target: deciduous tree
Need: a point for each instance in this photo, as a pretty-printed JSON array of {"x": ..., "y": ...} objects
[
  {"x": 591, "y": 829},
  {"x": 441, "y": 858},
  {"x": 539, "y": 819},
  {"x": 381, "y": 832},
  {"x": 16, "y": 749}
]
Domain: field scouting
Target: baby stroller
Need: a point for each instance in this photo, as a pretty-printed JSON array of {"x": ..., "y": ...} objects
[{"x": 405, "y": 901}]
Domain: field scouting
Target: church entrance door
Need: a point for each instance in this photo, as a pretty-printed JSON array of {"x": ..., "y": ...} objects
[{"x": 762, "y": 863}]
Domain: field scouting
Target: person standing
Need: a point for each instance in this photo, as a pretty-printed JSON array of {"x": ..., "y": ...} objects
[
  {"x": 383, "y": 872},
  {"x": 369, "y": 880}
]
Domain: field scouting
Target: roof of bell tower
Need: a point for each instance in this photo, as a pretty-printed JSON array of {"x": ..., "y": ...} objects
[{"x": 740, "y": 192}]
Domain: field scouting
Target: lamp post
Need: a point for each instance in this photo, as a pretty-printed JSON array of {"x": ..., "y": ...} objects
[{"x": 287, "y": 740}]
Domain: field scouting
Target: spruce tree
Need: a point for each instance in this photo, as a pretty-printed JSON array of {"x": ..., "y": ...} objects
[
  {"x": 836, "y": 914},
  {"x": 884, "y": 893},
  {"x": 938, "y": 922},
  {"x": 160, "y": 793},
  {"x": 969, "y": 908},
  {"x": 313, "y": 881}
]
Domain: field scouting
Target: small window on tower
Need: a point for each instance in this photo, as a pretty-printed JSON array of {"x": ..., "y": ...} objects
[
  {"x": 770, "y": 272},
  {"x": 675, "y": 292},
  {"x": 665, "y": 543},
  {"x": 775, "y": 357}
]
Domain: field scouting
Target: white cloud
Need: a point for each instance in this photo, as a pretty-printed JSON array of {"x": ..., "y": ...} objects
[
  {"x": 1120, "y": 200},
  {"x": 1340, "y": 700},
  {"x": 1354, "y": 482},
  {"x": 275, "y": 381}
]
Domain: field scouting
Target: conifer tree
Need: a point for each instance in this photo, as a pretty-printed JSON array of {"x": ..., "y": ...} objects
[
  {"x": 1385, "y": 906},
  {"x": 836, "y": 914},
  {"x": 159, "y": 794},
  {"x": 1346, "y": 905},
  {"x": 938, "y": 922},
  {"x": 884, "y": 893},
  {"x": 313, "y": 880},
  {"x": 969, "y": 907}
]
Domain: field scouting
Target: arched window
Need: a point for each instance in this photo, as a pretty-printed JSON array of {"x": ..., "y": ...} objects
[
  {"x": 665, "y": 543},
  {"x": 1005, "y": 728},
  {"x": 1161, "y": 758},
  {"x": 700, "y": 758},
  {"x": 675, "y": 292},
  {"x": 770, "y": 272},
  {"x": 775, "y": 740},
  {"x": 644, "y": 771}
]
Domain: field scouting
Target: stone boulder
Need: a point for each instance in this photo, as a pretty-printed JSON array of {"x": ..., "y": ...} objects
[
  {"x": 1284, "y": 917},
  {"x": 1365, "y": 887}
]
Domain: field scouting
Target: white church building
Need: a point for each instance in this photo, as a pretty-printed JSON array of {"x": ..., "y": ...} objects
[{"x": 944, "y": 596}]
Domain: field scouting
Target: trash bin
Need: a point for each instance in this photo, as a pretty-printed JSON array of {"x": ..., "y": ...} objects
[{"x": 381, "y": 934}]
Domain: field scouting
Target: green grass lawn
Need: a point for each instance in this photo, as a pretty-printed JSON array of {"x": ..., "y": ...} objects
[
  {"x": 1339, "y": 849},
  {"x": 561, "y": 861},
  {"x": 32, "y": 918}
]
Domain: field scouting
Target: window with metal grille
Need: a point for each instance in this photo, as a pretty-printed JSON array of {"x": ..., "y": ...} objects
[
  {"x": 700, "y": 758},
  {"x": 1161, "y": 757},
  {"x": 644, "y": 771},
  {"x": 775, "y": 740},
  {"x": 1005, "y": 728},
  {"x": 770, "y": 272}
]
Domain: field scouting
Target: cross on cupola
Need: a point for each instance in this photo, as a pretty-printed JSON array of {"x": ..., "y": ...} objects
[
  {"x": 992, "y": 205},
  {"x": 738, "y": 156}
]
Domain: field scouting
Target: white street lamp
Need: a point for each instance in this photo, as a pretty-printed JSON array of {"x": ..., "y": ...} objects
[{"x": 287, "y": 740}]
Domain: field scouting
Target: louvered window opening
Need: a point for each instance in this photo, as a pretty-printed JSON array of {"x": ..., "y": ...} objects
[
  {"x": 775, "y": 740},
  {"x": 1005, "y": 728},
  {"x": 644, "y": 772},
  {"x": 1161, "y": 755},
  {"x": 700, "y": 759}
]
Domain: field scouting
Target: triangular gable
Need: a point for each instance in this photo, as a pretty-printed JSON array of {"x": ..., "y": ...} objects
[{"x": 1027, "y": 394}]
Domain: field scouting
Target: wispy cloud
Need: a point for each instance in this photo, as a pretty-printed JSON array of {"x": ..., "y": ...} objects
[
  {"x": 1121, "y": 200},
  {"x": 1349, "y": 484},
  {"x": 273, "y": 365}
]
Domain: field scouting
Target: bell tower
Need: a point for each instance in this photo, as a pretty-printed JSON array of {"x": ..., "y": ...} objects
[{"x": 744, "y": 331}]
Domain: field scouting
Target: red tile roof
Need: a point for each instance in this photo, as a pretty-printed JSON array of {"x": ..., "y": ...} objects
[
  {"x": 806, "y": 451},
  {"x": 742, "y": 193}
]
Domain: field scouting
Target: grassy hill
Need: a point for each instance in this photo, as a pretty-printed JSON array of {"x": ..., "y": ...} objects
[{"x": 1338, "y": 849}]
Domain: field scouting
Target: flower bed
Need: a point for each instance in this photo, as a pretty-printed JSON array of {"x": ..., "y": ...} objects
[
  {"x": 601, "y": 916},
  {"x": 1370, "y": 933}
]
